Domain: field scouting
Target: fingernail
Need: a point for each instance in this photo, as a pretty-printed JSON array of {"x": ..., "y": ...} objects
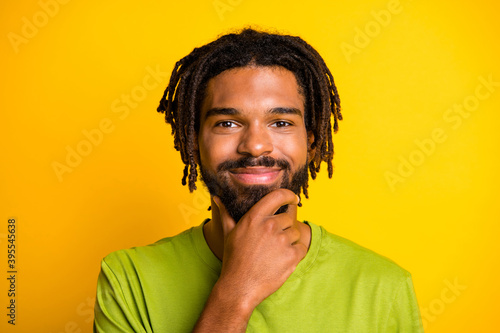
[{"x": 299, "y": 203}]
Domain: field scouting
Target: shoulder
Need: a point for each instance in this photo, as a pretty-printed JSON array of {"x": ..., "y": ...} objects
[
  {"x": 165, "y": 249},
  {"x": 358, "y": 261}
]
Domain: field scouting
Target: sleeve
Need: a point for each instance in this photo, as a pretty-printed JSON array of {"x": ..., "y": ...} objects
[
  {"x": 115, "y": 309},
  {"x": 404, "y": 316}
]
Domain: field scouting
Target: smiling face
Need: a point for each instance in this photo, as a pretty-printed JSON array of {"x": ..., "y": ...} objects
[{"x": 252, "y": 137}]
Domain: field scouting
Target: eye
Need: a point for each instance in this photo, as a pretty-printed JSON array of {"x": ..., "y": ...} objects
[
  {"x": 281, "y": 123},
  {"x": 225, "y": 124}
]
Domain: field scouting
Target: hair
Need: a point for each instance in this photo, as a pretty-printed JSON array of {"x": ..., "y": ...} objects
[{"x": 182, "y": 99}]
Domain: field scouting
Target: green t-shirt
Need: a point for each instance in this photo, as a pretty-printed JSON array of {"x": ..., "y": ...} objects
[{"x": 338, "y": 287}]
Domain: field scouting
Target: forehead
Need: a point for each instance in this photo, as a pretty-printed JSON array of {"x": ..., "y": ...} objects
[{"x": 253, "y": 88}]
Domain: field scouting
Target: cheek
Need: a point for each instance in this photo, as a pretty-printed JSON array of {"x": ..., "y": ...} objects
[
  {"x": 295, "y": 149},
  {"x": 215, "y": 150}
]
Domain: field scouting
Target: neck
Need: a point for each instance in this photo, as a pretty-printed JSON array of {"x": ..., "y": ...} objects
[{"x": 214, "y": 235}]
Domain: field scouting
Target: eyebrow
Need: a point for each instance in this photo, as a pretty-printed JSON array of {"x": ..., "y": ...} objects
[{"x": 232, "y": 111}]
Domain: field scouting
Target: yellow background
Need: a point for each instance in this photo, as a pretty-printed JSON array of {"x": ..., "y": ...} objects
[{"x": 73, "y": 69}]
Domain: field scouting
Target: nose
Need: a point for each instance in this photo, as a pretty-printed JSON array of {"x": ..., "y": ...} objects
[{"x": 255, "y": 141}]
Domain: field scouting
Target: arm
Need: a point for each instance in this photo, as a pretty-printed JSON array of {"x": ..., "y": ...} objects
[
  {"x": 223, "y": 312},
  {"x": 112, "y": 312},
  {"x": 260, "y": 252}
]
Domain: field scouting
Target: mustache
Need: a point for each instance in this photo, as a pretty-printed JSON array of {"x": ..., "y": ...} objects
[{"x": 245, "y": 162}]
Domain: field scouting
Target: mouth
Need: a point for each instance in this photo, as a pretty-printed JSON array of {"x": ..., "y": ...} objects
[{"x": 255, "y": 175}]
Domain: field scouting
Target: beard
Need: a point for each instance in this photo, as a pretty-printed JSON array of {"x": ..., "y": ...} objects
[{"x": 239, "y": 199}]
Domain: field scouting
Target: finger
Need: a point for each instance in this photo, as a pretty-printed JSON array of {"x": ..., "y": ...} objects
[
  {"x": 292, "y": 211},
  {"x": 293, "y": 235},
  {"x": 300, "y": 250},
  {"x": 227, "y": 221},
  {"x": 287, "y": 219},
  {"x": 272, "y": 201}
]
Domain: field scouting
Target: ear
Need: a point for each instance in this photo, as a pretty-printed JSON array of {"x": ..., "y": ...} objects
[{"x": 311, "y": 152}]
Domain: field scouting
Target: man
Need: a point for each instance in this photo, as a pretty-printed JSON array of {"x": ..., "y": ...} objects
[{"x": 253, "y": 112}]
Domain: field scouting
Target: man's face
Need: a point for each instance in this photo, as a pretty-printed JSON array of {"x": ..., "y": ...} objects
[{"x": 252, "y": 136}]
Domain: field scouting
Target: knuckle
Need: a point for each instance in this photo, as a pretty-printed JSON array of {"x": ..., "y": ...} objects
[
  {"x": 278, "y": 195},
  {"x": 295, "y": 234},
  {"x": 251, "y": 216},
  {"x": 270, "y": 225},
  {"x": 300, "y": 250},
  {"x": 284, "y": 194},
  {"x": 283, "y": 239}
]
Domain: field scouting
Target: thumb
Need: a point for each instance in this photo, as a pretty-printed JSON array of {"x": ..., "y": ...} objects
[{"x": 227, "y": 221}]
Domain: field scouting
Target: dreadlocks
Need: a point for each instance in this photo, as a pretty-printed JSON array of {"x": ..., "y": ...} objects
[{"x": 185, "y": 92}]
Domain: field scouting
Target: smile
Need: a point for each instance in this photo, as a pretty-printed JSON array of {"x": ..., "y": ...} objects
[{"x": 255, "y": 175}]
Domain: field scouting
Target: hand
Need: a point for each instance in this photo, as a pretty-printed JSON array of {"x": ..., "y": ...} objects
[{"x": 262, "y": 250}]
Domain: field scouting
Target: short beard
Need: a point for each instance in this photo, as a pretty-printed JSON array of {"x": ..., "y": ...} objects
[{"x": 238, "y": 201}]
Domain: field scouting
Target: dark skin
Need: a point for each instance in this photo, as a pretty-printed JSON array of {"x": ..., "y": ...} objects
[{"x": 263, "y": 114}]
